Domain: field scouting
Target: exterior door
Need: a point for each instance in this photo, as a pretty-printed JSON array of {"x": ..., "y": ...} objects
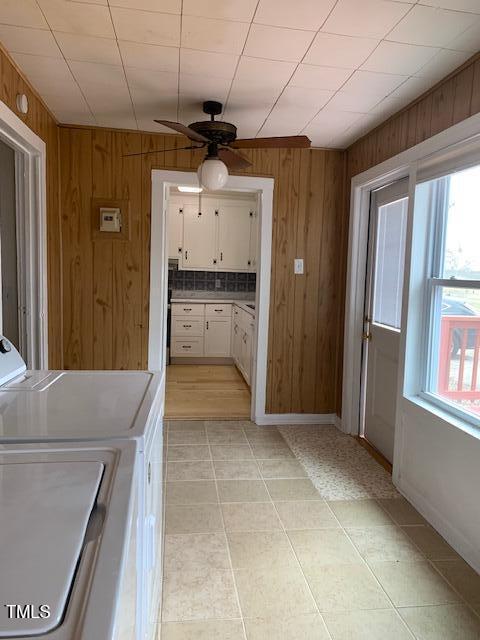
[{"x": 383, "y": 311}]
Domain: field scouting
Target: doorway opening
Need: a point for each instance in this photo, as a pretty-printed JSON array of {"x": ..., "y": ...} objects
[
  {"x": 382, "y": 327},
  {"x": 23, "y": 251},
  {"x": 209, "y": 295}
]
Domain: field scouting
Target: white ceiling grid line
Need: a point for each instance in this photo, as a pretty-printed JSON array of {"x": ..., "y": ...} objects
[{"x": 332, "y": 69}]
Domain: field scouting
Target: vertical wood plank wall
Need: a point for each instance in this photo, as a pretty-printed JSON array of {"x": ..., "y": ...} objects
[
  {"x": 106, "y": 283},
  {"x": 39, "y": 120},
  {"x": 450, "y": 101}
]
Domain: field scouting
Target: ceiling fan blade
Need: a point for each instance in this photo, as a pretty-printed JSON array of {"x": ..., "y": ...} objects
[
  {"x": 281, "y": 142},
  {"x": 234, "y": 160},
  {"x": 184, "y": 130},
  {"x": 145, "y": 153}
]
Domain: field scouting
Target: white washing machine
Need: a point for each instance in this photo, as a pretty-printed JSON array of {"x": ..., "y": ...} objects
[
  {"x": 68, "y": 539},
  {"x": 95, "y": 406}
]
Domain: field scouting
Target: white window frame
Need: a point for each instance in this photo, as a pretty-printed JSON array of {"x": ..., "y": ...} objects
[
  {"x": 31, "y": 209},
  {"x": 458, "y": 139},
  {"x": 433, "y": 285}
]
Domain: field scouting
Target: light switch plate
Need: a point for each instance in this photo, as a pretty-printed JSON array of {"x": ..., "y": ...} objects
[{"x": 298, "y": 266}]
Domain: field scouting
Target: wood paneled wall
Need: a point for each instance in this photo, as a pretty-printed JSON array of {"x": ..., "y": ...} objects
[
  {"x": 450, "y": 101},
  {"x": 106, "y": 283},
  {"x": 44, "y": 125}
]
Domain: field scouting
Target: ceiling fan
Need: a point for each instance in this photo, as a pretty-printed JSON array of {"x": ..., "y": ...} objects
[{"x": 221, "y": 141}]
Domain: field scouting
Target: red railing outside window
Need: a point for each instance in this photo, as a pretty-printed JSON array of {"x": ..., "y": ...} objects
[{"x": 458, "y": 372}]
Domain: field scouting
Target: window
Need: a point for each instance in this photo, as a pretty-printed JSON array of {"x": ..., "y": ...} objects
[
  {"x": 389, "y": 263},
  {"x": 453, "y": 331}
]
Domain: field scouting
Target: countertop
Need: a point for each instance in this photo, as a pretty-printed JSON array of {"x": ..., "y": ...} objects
[{"x": 240, "y": 303}]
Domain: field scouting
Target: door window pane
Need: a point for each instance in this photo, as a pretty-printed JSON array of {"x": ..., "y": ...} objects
[{"x": 389, "y": 263}]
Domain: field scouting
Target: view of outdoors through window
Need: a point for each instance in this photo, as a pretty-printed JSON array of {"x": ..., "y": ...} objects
[{"x": 455, "y": 335}]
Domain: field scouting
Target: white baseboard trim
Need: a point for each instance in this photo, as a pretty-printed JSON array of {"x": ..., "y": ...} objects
[
  {"x": 446, "y": 529},
  {"x": 296, "y": 418}
]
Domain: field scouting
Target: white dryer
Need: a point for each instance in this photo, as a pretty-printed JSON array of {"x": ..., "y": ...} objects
[
  {"x": 68, "y": 539},
  {"x": 95, "y": 406}
]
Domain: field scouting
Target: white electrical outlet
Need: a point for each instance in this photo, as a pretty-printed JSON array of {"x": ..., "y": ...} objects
[{"x": 298, "y": 266}]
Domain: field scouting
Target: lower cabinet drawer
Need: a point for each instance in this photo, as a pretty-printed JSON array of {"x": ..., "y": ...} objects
[
  {"x": 218, "y": 310},
  {"x": 183, "y": 327},
  {"x": 192, "y": 347}
]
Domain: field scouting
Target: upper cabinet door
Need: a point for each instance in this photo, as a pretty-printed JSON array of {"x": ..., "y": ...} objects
[
  {"x": 175, "y": 228},
  {"x": 199, "y": 237},
  {"x": 254, "y": 242},
  {"x": 234, "y": 224}
]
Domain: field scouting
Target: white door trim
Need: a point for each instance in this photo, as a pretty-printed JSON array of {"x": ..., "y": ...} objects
[
  {"x": 402, "y": 165},
  {"x": 162, "y": 180},
  {"x": 31, "y": 203}
]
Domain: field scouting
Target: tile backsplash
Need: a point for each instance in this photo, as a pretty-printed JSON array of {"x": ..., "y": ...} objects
[{"x": 211, "y": 281}]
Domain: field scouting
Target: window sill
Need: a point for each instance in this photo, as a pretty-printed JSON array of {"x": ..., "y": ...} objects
[{"x": 427, "y": 403}]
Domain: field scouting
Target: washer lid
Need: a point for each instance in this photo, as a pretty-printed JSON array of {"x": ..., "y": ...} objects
[{"x": 45, "y": 508}]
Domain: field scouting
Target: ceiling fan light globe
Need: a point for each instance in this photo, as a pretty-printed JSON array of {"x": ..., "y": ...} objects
[{"x": 212, "y": 174}]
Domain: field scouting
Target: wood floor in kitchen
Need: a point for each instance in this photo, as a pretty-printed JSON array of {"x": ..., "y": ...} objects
[{"x": 206, "y": 392}]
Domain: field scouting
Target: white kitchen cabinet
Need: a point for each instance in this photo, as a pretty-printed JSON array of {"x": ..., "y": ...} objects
[
  {"x": 175, "y": 228},
  {"x": 217, "y": 337},
  {"x": 242, "y": 342},
  {"x": 234, "y": 232},
  {"x": 199, "y": 234}
]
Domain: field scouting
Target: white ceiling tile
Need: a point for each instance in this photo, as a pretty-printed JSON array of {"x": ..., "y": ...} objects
[
  {"x": 95, "y": 74},
  {"x": 46, "y": 74},
  {"x": 354, "y": 102},
  {"x": 150, "y": 106},
  {"x": 162, "y": 6},
  {"x": 114, "y": 100},
  {"x": 208, "y": 63},
  {"x": 198, "y": 89},
  {"x": 149, "y": 56},
  {"x": 334, "y": 50},
  {"x": 146, "y": 26},
  {"x": 157, "y": 83},
  {"x": 411, "y": 88},
  {"x": 88, "y": 48},
  {"x": 275, "y": 43},
  {"x": 259, "y": 74},
  {"x": 442, "y": 64},
  {"x": 368, "y": 18},
  {"x": 294, "y": 110},
  {"x": 74, "y": 17},
  {"x": 114, "y": 121},
  {"x": 472, "y": 6},
  {"x": 468, "y": 41},
  {"x": 398, "y": 58},
  {"x": 74, "y": 116},
  {"x": 147, "y": 124},
  {"x": 22, "y": 13},
  {"x": 221, "y": 9},
  {"x": 328, "y": 126},
  {"x": 301, "y": 98},
  {"x": 301, "y": 14},
  {"x": 431, "y": 27},
  {"x": 315, "y": 77},
  {"x": 26, "y": 40},
  {"x": 222, "y": 36},
  {"x": 379, "y": 84},
  {"x": 387, "y": 107}
]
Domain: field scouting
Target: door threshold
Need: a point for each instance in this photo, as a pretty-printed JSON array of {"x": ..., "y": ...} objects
[{"x": 375, "y": 453}]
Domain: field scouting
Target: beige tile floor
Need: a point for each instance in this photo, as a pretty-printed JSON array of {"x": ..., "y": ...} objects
[{"x": 254, "y": 552}]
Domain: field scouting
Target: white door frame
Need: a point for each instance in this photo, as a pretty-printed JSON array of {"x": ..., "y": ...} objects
[
  {"x": 400, "y": 166},
  {"x": 31, "y": 206},
  {"x": 162, "y": 180}
]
